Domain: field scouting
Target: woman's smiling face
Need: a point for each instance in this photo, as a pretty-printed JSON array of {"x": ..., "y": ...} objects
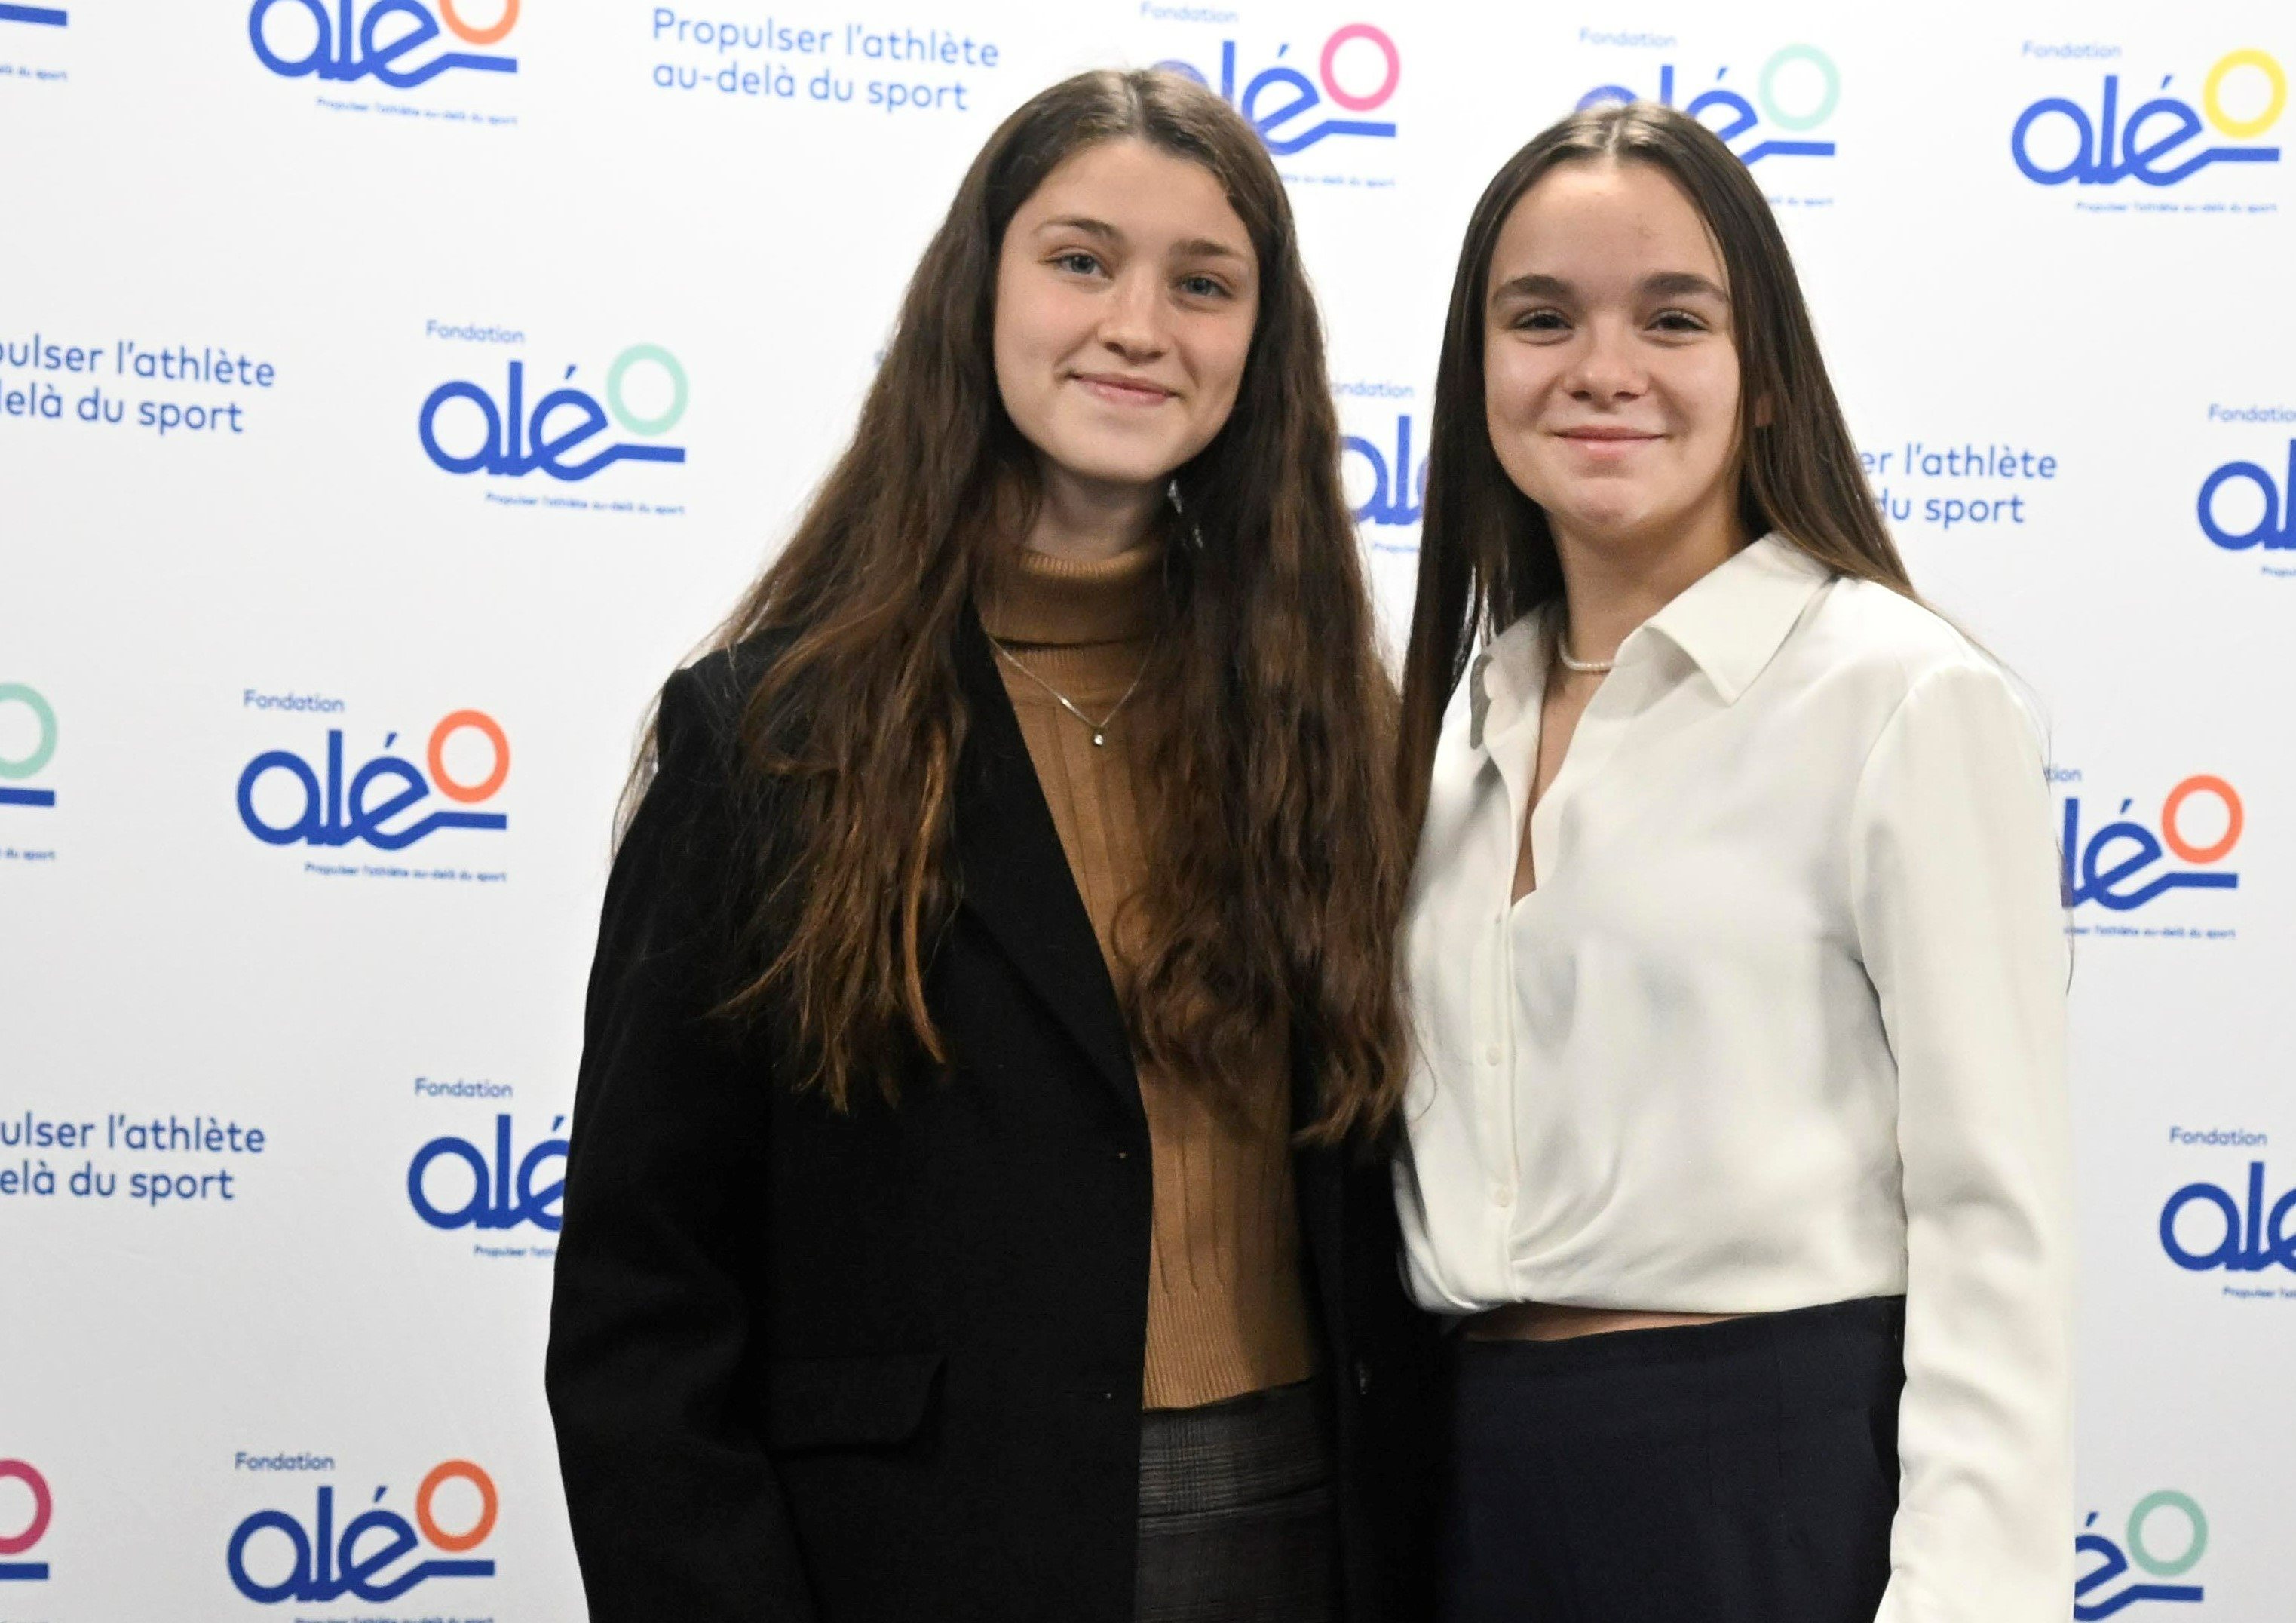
[
  {"x": 1611, "y": 378},
  {"x": 1126, "y": 292}
]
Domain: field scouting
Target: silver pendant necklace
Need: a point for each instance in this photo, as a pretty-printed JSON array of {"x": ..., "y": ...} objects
[{"x": 1099, "y": 728}]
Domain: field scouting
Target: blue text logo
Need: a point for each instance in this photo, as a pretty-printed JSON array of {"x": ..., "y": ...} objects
[
  {"x": 2115, "y": 1562},
  {"x": 499, "y": 1197},
  {"x": 1739, "y": 117},
  {"x": 515, "y": 442},
  {"x": 2149, "y": 145},
  {"x": 1396, "y": 493},
  {"x": 295, "y": 38},
  {"x": 2250, "y": 1243},
  {"x": 40, "y": 16},
  {"x": 12, "y": 1545},
  {"x": 1302, "y": 95},
  {"x": 2276, "y": 528},
  {"x": 14, "y": 770},
  {"x": 2121, "y": 850},
  {"x": 330, "y": 817},
  {"x": 322, "y": 1566}
]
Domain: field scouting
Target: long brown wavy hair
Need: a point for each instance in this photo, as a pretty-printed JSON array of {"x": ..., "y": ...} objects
[
  {"x": 1277, "y": 859},
  {"x": 1486, "y": 554}
]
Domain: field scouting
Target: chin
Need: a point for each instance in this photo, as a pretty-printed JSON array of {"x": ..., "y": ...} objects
[
  {"x": 1600, "y": 506},
  {"x": 1608, "y": 521},
  {"x": 1108, "y": 464}
]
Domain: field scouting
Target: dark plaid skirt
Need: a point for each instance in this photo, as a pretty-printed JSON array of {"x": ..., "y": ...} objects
[
  {"x": 1744, "y": 1471},
  {"x": 1236, "y": 1511}
]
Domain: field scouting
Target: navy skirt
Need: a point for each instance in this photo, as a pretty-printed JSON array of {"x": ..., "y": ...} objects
[{"x": 1742, "y": 1472}]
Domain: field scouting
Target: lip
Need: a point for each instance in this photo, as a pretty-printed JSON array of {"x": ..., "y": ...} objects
[
  {"x": 1119, "y": 389},
  {"x": 1606, "y": 434}
]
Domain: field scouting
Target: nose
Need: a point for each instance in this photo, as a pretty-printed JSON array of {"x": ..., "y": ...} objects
[
  {"x": 1132, "y": 323},
  {"x": 1606, "y": 368}
]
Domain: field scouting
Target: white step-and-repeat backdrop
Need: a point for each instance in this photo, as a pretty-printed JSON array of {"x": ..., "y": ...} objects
[{"x": 393, "y": 391}]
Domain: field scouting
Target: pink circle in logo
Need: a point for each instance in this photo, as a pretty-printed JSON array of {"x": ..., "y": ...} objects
[
  {"x": 42, "y": 1506},
  {"x": 1353, "y": 31}
]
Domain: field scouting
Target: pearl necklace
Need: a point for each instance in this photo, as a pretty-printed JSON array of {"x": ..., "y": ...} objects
[{"x": 1585, "y": 668}]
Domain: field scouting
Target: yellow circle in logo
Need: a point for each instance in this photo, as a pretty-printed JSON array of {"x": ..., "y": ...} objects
[{"x": 2241, "y": 128}]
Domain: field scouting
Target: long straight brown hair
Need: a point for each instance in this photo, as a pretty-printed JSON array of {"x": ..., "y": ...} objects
[
  {"x": 1486, "y": 554},
  {"x": 1277, "y": 861}
]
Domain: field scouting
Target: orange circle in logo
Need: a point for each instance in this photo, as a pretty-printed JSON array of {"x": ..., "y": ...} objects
[
  {"x": 454, "y": 1542},
  {"x": 468, "y": 793},
  {"x": 481, "y": 36},
  {"x": 2201, "y": 784}
]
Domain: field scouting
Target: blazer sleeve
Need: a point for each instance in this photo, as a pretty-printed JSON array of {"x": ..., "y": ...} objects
[
  {"x": 1958, "y": 920},
  {"x": 676, "y": 1509}
]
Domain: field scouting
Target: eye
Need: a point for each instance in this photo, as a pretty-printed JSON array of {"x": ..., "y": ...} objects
[
  {"x": 1077, "y": 261},
  {"x": 1678, "y": 321},
  {"x": 1200, "y": 286},
  {"x": 1541, "y": 321}
]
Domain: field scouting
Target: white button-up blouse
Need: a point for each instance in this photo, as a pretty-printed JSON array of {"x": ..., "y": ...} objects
[{"x": 1781, "y": 1025}]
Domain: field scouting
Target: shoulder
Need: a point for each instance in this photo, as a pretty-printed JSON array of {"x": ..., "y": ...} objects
[
  {"x": 1921, "y": 685},
  {"x": 1890, "y": 649},
  {"x": 699, "y": 797},
  {"x": 701, "y": 706},
  {"x": 717, "y": 685},
  {"x": 1869, "y": 628}
]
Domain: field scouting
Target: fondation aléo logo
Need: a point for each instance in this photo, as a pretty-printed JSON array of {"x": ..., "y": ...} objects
[
  {"x": 274, "y": 1558},
  {"x": 331, "y": 812},
  {"x": 2274, "y": 526},
  {"x": 2237, "y": 1240},
  {"x": 1356, "y": 70},
  {"x": 514, "y": 438},
  {"x": 385, "y": 38},
  {"x": 2151, "y": 142},
  {"x": 509, "y": 1191},
  {"x": 1796, "y": 90},
  {"x": 1398, "y": 493},
  {"x": 2114, "y": 868}
]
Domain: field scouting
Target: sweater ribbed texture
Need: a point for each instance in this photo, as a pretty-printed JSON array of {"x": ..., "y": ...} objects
[{"x": 1226, "y": 1310}]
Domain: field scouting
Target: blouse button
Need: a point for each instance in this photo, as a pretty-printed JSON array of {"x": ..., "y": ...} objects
[{"x": 1494, "y": 1054}]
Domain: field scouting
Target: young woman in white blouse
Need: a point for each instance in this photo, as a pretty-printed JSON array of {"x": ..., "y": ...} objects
[{"x": 1738, "y": 1133}]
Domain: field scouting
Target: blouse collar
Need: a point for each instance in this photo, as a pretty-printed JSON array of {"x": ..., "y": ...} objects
[{"x": 1730, "y": 622}]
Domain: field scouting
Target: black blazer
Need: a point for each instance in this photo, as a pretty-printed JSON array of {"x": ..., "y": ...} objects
[{"x": 886, "y": 1366}]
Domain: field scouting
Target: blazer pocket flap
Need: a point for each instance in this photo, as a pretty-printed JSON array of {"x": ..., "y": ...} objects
[{"x": 828, "y": 1403}]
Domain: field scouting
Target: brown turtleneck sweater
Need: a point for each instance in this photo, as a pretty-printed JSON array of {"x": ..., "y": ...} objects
[{"x": 1227, "y": 1311}]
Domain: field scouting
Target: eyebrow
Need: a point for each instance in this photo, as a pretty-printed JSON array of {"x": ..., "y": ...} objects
[
  {"x": 1090, "y": 227},
  {"x": 1657, "y": 284},
  {"x": 1206, "y": 248},
  {"x": 1194, "y": 247}
]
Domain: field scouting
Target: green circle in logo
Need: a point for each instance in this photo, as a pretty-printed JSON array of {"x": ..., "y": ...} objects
[
  {"x": 45, "y": 717},
  {"x": 2168, "y": 1499},
  {"x": 629, "y": 357},
  {"x": 1825, "y": 103}
]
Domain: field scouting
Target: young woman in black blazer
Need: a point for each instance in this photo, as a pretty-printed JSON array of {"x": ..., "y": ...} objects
[{"x": 977, "y": 1205}]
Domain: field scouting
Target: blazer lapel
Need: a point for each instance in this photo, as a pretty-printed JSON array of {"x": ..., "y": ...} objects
[{"x": 1015, "y": 878}]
